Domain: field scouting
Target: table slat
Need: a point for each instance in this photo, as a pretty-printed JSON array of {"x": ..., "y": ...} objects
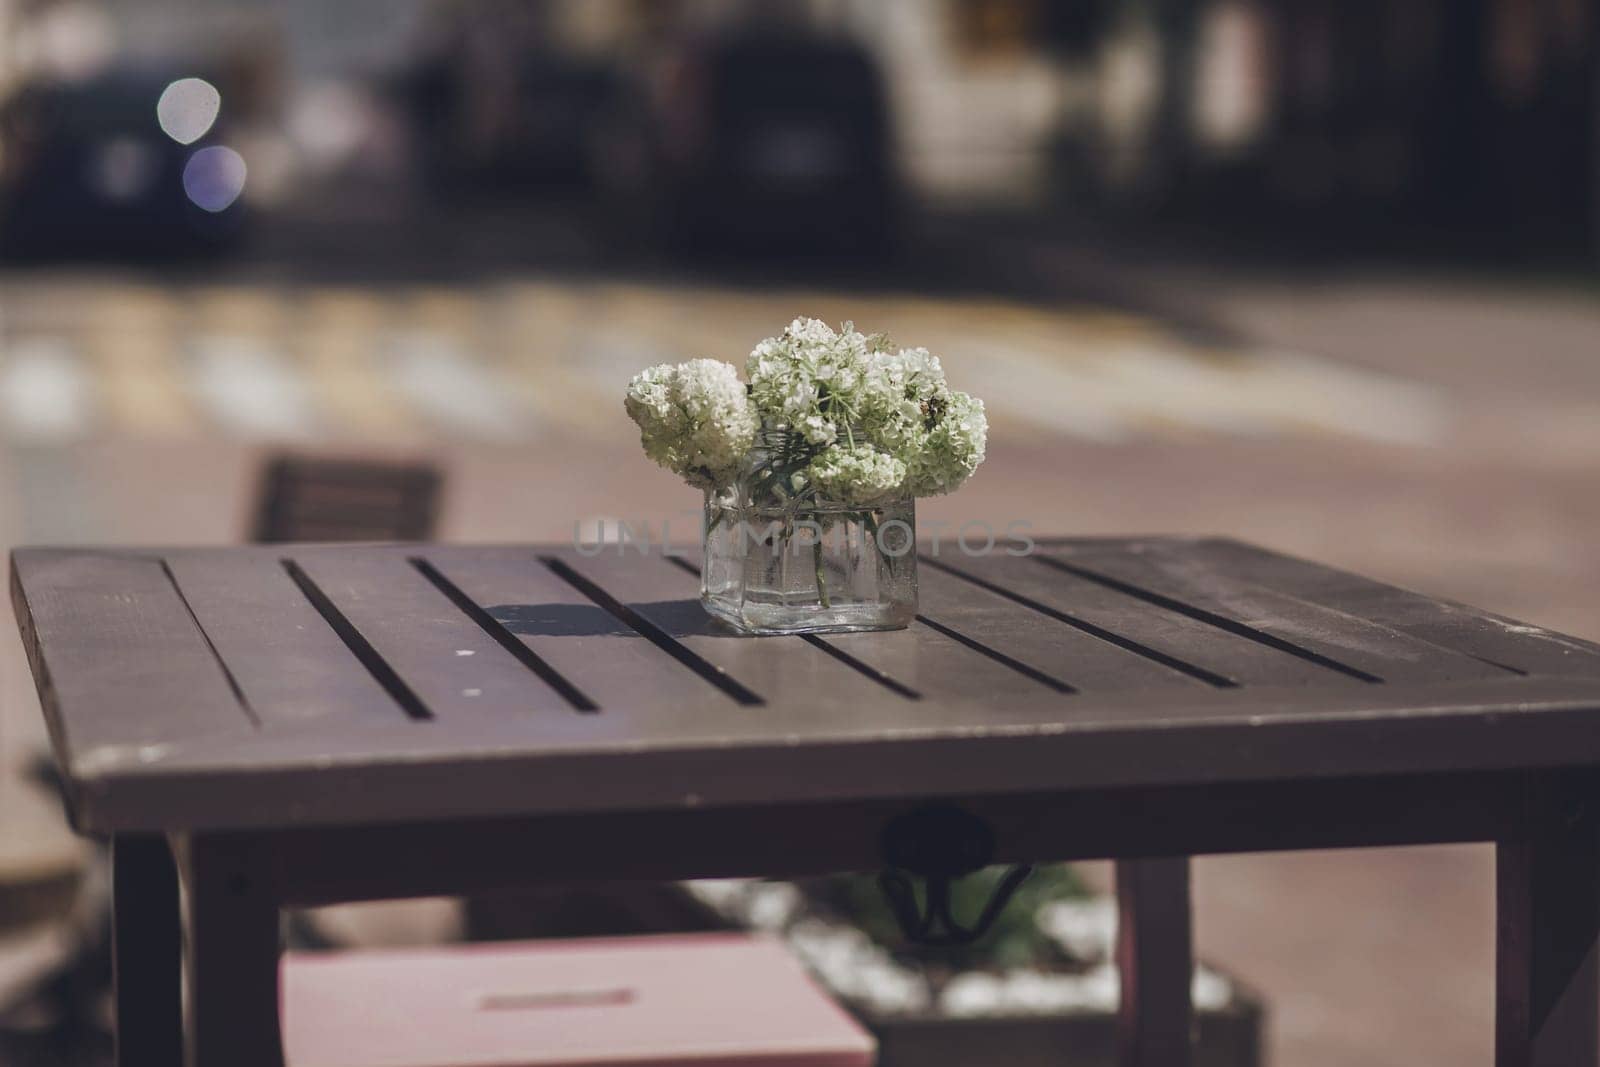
[
  {"x": 288, "y": 661},
  {"x": 1529, "y": 649},
  {"x": 124, "y": 671},
  {"x": 450, "y": 665},
  {"x": 1361, "y": 643},
  {"x": 1081, "y": 660}
]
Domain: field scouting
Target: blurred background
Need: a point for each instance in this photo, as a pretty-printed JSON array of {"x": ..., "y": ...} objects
[{"x": 1324, "y": 275}]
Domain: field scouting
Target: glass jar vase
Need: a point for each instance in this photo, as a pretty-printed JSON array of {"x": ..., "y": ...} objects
[{"x": 779, "y": 558}]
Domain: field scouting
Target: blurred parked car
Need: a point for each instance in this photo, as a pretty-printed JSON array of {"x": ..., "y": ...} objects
[
  {"x": 780, "y": 141},
  {"x": 505, "y": 114},
  {"x": 124, "y": 164}
]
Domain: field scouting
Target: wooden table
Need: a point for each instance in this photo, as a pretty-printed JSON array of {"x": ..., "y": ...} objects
[{"x": 303, "y": 725}]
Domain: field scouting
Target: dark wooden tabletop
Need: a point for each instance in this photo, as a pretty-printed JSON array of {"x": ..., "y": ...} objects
[{"x": 283, "y": 686}]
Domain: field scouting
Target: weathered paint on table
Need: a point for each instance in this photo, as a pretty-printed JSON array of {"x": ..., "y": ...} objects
[{"x": 308, "y": 723}]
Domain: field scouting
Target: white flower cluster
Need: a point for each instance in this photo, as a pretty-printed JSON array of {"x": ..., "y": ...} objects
[
  {"x": 809, "y": 378},
  {"x": 863, "y": 422},
  {"x": 859, "y": 474},
  {"x": 907, "y": 386},
  {"x": 951, "y": 449},
  {"x": 695, "y": 419}
]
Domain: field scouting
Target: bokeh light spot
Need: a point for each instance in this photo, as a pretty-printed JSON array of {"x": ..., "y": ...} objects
[
  {"x": 187, "y": 109},
  {"x": 214, "y": 177}
]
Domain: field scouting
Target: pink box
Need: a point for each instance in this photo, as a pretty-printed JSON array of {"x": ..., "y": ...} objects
[{"x": 728, "y": 1000}]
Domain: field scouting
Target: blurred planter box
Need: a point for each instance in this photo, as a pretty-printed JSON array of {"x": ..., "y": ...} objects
[
  {"x": 1228, "y": 1037},
  {"x": 1058, "y": 1009}
]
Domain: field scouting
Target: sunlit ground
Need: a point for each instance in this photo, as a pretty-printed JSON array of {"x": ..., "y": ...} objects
[{"x": 531, "y": 362}]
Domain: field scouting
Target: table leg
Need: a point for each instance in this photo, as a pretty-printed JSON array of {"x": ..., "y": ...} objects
[
  {"x": 233, "y": 950},
  {"x": 145, "y": 951},
  {"x": 1548, "y": 900},
  {"x": 1155, "y": 958}
]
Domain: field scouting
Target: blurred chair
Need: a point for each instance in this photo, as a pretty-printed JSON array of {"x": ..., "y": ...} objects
[
  {"x": 302, "y": 498},
  {"x": 315, "y": 498}
]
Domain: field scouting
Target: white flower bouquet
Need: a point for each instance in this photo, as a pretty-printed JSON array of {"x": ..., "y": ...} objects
[{"x": 834, "y": 434}]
